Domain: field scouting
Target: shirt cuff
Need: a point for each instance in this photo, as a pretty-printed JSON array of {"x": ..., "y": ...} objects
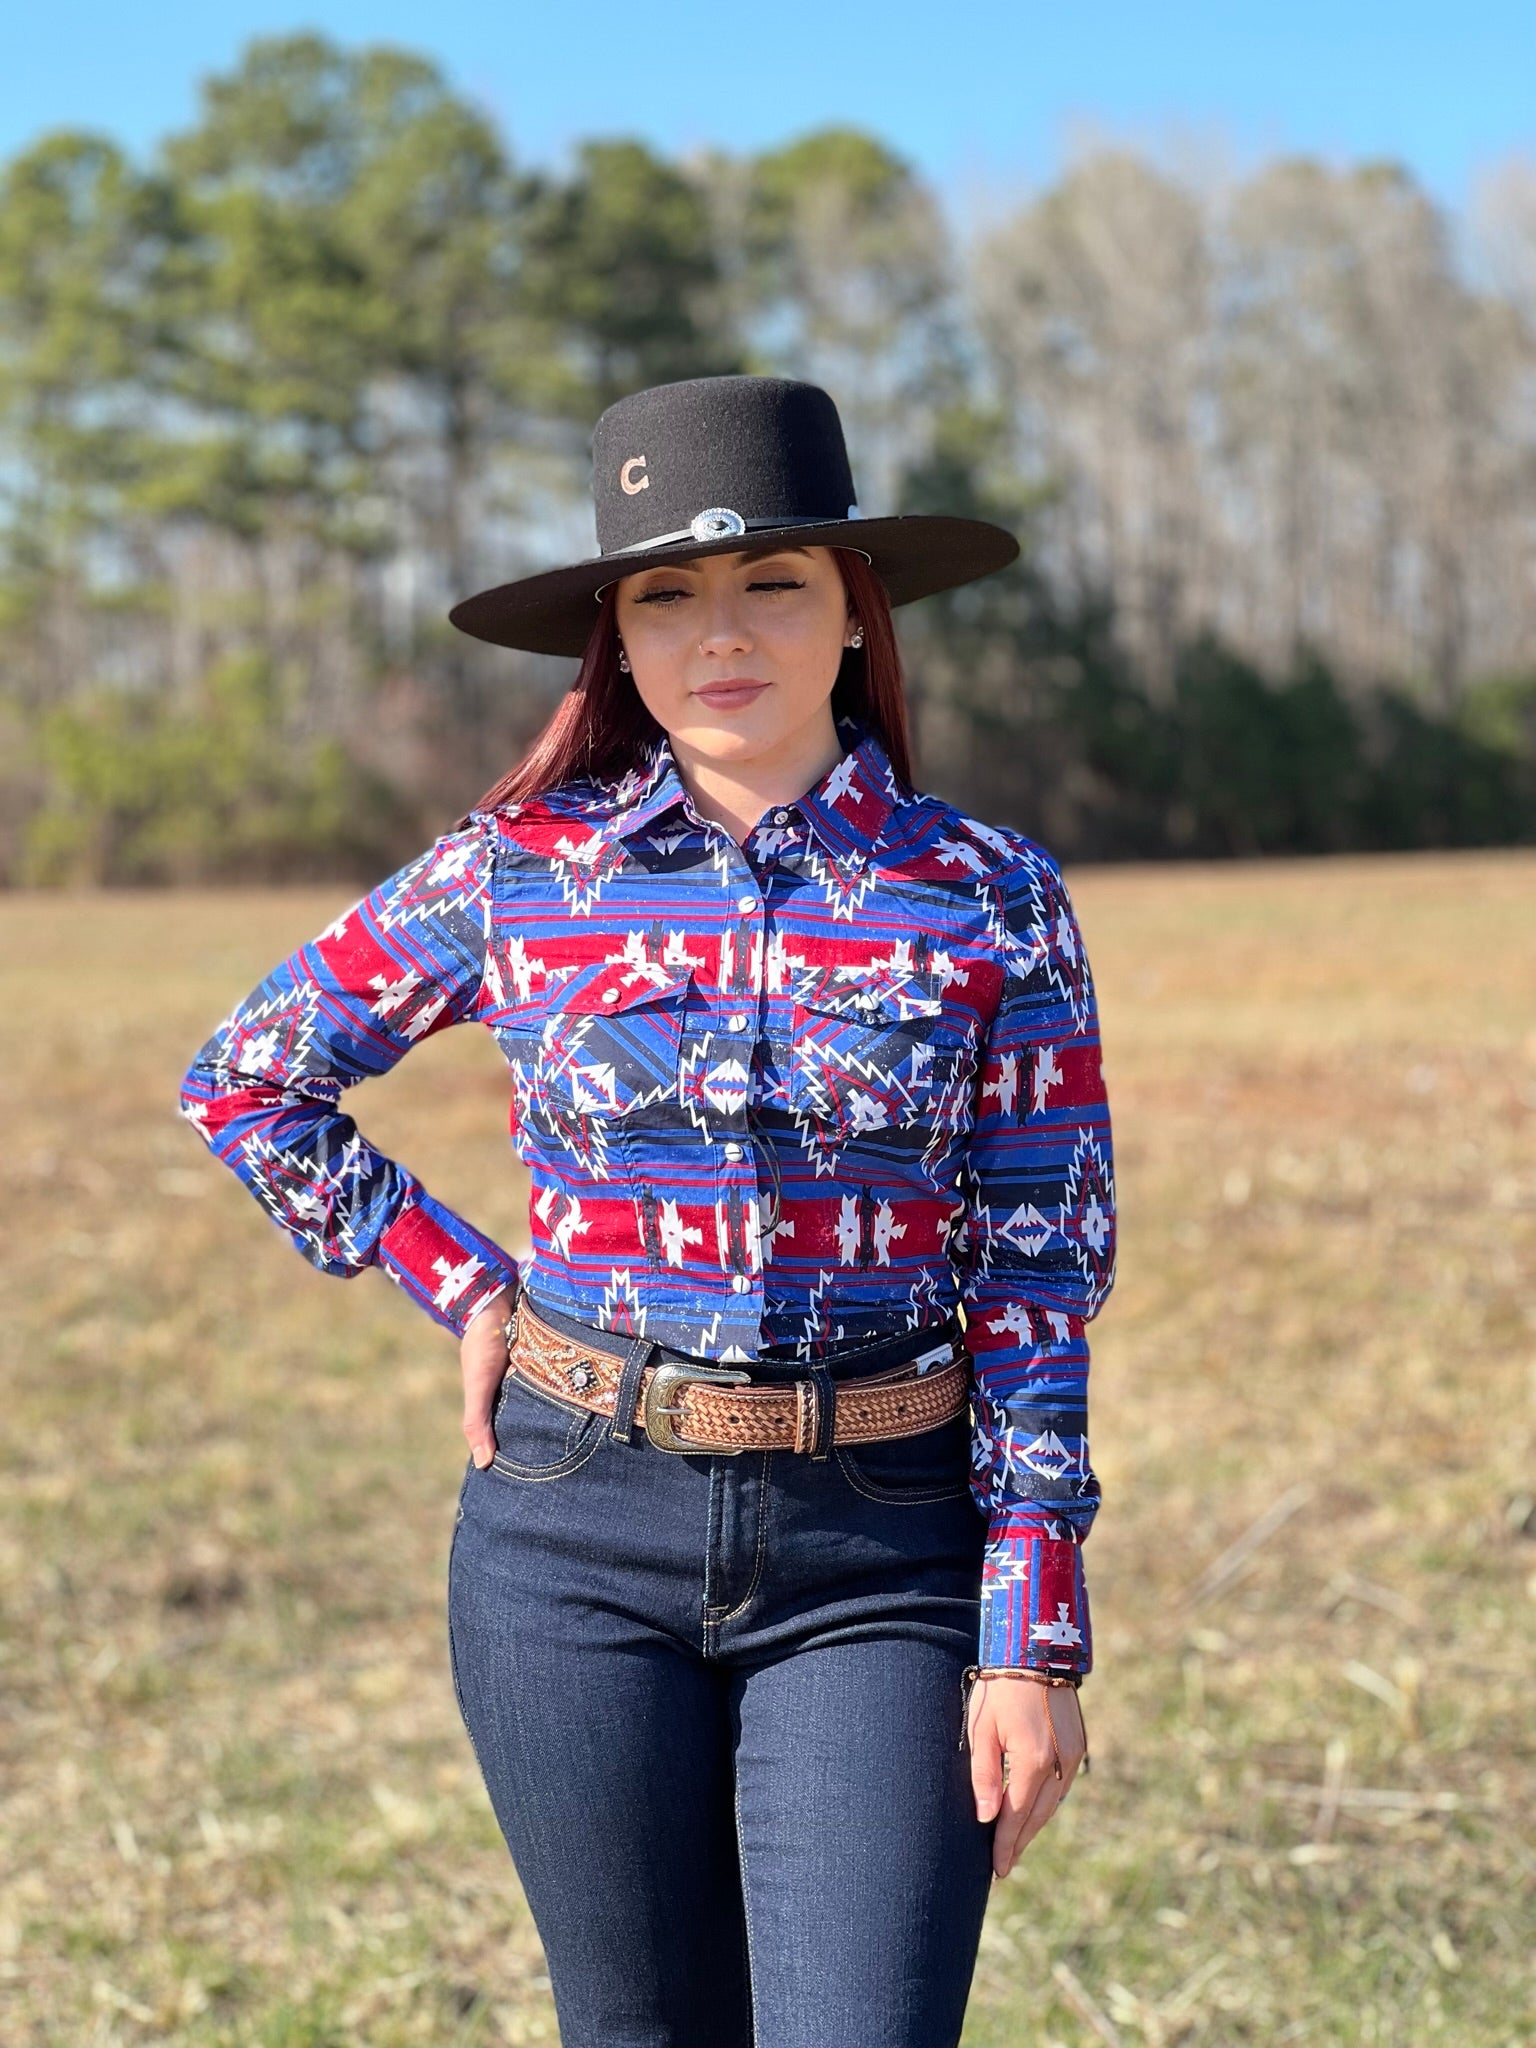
[
  {"x": 1034, "y": 1600},
  {"x": 443, "y": 1264}
]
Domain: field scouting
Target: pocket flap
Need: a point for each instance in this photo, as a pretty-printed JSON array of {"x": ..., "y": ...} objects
[
  {"x": 873, "y": 995},
  {"x": 609, "y": 988}
]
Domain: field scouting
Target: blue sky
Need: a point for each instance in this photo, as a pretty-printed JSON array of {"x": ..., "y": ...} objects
[{"x": 987, "y": 99}]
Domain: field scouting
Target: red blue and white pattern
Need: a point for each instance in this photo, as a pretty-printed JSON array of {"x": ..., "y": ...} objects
[{"x": 819, "y": 1087}]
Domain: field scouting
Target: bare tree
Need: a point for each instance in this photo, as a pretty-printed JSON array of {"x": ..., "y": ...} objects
[
  {"x": 1095, "y": 305},
  {"x": 1283, "y": 414}
]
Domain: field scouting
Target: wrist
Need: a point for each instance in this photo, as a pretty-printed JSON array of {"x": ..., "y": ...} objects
[{"x": 499, "y": 1306}]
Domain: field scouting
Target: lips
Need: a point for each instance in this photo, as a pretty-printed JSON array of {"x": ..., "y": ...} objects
[{"x": 732, "y": 692}]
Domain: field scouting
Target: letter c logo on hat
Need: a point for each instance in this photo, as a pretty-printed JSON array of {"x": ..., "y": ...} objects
[{"x": 629, "y": 484}]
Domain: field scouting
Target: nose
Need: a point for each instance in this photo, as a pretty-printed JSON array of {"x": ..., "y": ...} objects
[{"x": 723, "y": 626}]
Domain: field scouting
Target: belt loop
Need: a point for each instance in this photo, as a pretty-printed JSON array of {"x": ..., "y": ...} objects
[
  {"x": 826, "y": 1405},
  {"x": 806, "y": 1405},
  {"x": 628, "y": 1392}
]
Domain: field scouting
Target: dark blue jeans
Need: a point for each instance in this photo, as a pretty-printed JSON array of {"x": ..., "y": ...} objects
[{"x": 716, "y": 1701}]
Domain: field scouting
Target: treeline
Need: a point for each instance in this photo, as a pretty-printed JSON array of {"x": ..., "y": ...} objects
[{"x": 270, "y": 403}]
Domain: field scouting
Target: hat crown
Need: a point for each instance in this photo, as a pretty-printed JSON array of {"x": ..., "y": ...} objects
[{"x": 764, "y": 451}]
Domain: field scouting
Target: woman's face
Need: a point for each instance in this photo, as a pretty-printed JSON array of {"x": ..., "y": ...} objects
[{"x": 734, "y": 654}]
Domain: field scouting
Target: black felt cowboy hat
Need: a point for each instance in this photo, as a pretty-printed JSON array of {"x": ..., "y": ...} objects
[{"x": 710, "y": 466}]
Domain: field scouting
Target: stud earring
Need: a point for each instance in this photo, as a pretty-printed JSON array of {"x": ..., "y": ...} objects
[
  {"x": 623, "y": 662},
  {"x": 858, "y": 637}
]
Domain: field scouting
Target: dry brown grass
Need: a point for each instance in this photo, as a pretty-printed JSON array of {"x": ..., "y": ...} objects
[{"x": 238, "y": 1807}]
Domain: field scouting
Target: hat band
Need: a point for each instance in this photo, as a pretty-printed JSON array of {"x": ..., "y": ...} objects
[{"x": 720, "y": 523}]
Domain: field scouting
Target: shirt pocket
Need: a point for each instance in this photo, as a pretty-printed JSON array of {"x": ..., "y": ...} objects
[
  {"x": 607, "y": 1046},
  {"x": 881, "y": 1060}
]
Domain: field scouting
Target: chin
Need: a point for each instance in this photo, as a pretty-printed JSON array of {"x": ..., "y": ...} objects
[{"x": 731, "y": 735}]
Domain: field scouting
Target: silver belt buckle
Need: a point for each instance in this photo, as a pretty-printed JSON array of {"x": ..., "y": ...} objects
[{"x": 656, "y": 1413}]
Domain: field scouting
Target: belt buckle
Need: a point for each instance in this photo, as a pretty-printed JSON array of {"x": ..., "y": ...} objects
[{"x": 656, "y": 1414}]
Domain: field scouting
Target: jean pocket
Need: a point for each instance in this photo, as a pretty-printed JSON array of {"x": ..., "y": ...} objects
[
  {"x": 934, "y": 1465},
  {"x": 539, "y": 1437}
]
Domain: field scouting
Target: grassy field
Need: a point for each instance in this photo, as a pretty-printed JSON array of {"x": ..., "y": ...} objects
[{"x": 236, "y": 1802}]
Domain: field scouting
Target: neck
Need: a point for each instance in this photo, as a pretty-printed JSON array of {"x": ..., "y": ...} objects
[{"x": 736, "y": 794}]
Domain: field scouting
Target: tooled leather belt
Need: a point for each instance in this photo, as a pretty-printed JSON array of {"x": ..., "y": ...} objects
[{"x": 687, "y": 1406}]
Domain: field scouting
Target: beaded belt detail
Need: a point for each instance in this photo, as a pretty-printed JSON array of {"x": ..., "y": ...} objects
[{"x": 699, "y": 1408}]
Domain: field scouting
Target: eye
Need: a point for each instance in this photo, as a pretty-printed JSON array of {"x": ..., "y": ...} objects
[
  {"x": 776, "y": 583},
  {"x": 659, "y": 594}
]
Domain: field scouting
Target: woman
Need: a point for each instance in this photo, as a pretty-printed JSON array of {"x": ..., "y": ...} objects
[{"x": 752, "y": 1541}]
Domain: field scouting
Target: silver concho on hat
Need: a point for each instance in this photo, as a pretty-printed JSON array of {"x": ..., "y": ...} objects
[{"x": 718, "y": 523}]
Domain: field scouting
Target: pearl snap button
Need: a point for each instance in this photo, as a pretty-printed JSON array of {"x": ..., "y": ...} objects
[
  {"x": 746, "y": 903},
  {"x": 733, "y": 1150},
  {"x": 737, "y": 1021},
  {"x": 781, "y": 817},
  {"x": 740, "y": 1282},
  {"x": 610, "y": 995}
]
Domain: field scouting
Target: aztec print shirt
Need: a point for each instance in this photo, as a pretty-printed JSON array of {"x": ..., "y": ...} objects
[{"x": 822, "y": 1086}]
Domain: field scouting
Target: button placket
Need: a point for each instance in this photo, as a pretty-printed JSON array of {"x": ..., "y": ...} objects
[{"x": 741, "y": 1187}]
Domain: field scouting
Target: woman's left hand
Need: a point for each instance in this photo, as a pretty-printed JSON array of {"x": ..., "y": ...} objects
[{"x": 1013, "y": 1718}]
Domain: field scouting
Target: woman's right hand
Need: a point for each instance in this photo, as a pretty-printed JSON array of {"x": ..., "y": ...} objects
[{"x": 483, "y": 1362}]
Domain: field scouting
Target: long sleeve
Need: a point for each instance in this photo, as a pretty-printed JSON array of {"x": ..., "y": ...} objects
[
  {"x": 1035, "y": 1258},
  {"x": 406, "y": 961}
]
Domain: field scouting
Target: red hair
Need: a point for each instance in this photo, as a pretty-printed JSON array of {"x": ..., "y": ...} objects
[{"x": 601, "y": 727}]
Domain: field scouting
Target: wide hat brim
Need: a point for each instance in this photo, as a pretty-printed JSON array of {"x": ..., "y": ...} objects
[{"x": 915, "y": 555}]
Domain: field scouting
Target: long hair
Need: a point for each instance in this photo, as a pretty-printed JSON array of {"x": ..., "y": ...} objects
[{"x": 600, "y": 727}]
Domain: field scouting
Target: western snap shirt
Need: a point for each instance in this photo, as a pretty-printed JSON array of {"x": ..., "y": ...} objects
[{"x": 818, "y": 1087}]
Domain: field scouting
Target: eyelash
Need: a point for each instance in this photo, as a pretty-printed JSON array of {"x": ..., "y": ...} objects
[{"x": 662, "y": 596}]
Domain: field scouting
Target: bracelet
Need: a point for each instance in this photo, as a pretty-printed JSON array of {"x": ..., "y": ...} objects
[
  {"x": 1071, "y": 1679},
  {"x": 1050, "y": 1676}
]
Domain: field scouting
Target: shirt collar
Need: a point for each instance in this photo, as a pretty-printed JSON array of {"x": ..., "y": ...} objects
[{"x": 846, "y": 810}]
